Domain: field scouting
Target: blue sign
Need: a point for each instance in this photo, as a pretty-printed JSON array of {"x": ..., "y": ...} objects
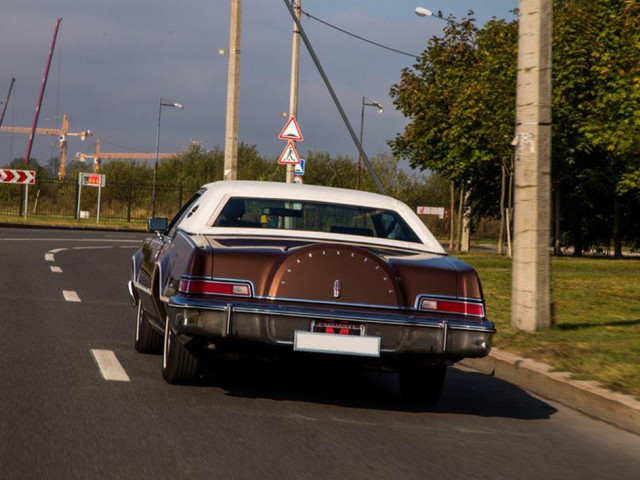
[{"x": 298, "y": 168}]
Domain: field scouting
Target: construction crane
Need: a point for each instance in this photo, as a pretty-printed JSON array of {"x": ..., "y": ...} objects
[
  {"x": 61, "y": 133},
  {"x": 99, "y": 155}
]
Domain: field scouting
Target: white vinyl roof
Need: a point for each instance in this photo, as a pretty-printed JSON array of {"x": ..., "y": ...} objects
[{"x": 216, "y": 195}]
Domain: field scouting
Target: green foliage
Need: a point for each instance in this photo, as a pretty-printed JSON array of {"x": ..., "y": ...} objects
[{"x": 460, "y": 99}]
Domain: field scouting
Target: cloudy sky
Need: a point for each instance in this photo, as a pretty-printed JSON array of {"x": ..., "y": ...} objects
[{"x": 114, "y": 59}]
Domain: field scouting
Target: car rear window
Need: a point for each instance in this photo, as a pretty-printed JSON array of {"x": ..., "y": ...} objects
[{"x": 314, "y": 217}]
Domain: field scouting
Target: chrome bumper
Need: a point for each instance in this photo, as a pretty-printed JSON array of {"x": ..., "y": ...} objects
[{"x": 400, "y": 332}]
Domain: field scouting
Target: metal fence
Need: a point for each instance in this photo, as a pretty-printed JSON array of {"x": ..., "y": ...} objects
[{"x": 128, "y": 202}]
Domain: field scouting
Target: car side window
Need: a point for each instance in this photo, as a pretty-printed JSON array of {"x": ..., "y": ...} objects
[{"x": 186, "y": 211}]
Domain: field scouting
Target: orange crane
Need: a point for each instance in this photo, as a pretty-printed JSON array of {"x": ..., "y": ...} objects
[
  {"x": 61, "y": 133},
  {"x": 99, "y": 155}
]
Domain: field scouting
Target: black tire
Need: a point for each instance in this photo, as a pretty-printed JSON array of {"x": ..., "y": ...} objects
[
  {"x": 179, "y": 365},
  {"x": 148, "y": 340},
  {"x": 422, "y": 384}
]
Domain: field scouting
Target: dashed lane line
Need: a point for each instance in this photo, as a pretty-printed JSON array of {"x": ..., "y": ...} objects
[
  {"x": 109, "y": 365},
  {"x": 48, "y": 257},
  {"x": 55, "y": 269},
  {"x": 71, "y": 296}
]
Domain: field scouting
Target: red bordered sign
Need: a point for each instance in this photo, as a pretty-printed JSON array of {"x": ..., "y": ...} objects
[
  {"x": 291, "y": 131},
  {"x": 18, "y": 176},
  {"x": 289, "y": 155}
]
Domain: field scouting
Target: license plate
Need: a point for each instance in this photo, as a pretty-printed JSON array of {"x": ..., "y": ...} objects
[
  {"x": 338, "y": 328},
  {"x": 336, "y": 344}
]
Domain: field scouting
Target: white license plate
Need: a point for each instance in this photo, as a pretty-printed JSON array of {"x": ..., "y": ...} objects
[{"x": 338, "y": 344}]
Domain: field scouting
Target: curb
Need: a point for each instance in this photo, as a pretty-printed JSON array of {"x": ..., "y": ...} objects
[{"x": 587, "y": 397}]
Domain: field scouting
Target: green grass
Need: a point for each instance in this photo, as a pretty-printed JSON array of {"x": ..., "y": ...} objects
[
  {"x": 596, "y": 335},
  {"x": 45, "y": 221}
]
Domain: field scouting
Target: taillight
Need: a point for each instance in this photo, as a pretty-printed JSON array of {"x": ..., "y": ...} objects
[
  {"x": 215, "y": 287},
  {"x": 460, "y": 307}
]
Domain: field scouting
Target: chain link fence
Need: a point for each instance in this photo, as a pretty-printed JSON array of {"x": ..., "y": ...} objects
[{"x": 124, "y": 202}]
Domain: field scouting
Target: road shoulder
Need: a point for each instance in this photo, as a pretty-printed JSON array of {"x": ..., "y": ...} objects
[{"x": 587, "y": 397}]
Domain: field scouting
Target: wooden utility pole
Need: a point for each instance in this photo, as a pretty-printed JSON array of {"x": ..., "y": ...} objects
[
  {"x": 233, "y": 96},
  {"x": 295, "y": 61},
  {"x": 531, "y": 290}
]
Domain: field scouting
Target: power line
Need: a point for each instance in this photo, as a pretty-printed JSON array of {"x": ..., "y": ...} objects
[{"x": 358, "y": 36}]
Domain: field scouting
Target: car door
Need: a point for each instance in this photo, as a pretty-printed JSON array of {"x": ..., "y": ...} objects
[{"x": 155, "y": 255}]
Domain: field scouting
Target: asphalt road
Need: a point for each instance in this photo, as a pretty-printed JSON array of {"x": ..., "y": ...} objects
[{"x": 60, "y": 418}]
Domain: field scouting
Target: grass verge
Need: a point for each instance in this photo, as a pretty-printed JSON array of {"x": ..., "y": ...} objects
[
  {"x": 596, "y": 335},
  {"x": 45, "y": 221}
]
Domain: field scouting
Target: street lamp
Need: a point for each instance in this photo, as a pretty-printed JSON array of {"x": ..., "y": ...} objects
[
  {"x": 163, "y": 103},
  {"x": 365, "y": 103},
  {"x": 425, "y": 12}
]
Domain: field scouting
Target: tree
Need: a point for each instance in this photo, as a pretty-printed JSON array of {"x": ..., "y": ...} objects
[
  {"x": 596, "y": 106},
  {"x": 460, "y": 99}
]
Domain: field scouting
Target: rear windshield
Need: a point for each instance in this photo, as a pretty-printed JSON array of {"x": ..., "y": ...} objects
[{"x": 314, "y": 217}]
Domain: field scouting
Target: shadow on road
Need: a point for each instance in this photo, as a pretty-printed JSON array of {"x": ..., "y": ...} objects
[{"x": 465, "y": 392}]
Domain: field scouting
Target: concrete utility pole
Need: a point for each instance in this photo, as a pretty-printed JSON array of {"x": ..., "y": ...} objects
[
  {"x": 295, "y": 61},
  {"x": 531, "y": 304},
  {"x": 233, "y": 97}
]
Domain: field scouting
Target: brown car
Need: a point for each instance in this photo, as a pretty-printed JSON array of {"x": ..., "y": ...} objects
[{"x": 306, "y": 270}]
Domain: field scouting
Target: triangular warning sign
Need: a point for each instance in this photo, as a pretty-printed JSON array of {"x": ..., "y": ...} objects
[
  {"x": 291, "y": 131},
  {"x": 289, "y": 155}
]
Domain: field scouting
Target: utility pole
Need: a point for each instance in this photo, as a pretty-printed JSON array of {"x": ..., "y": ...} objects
[
  {"x": 233, "y": 97},
  {"x": 295, "y": 61},
  {"x": 531, "y": 290}
]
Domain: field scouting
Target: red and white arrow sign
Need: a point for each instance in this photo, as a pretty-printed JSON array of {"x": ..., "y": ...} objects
[{"x": 17, "y": 176}]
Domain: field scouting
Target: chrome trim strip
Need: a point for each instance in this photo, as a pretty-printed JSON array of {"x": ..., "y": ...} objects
[
  {"x": 445, "y": 331},
  {"x": 132, "y": 296},
  {"x": 328, "y": 302},
  {"x": 134, "y": 269},
  {"x": 227, "y": 327},
  {"x": 182, "y": 302}
]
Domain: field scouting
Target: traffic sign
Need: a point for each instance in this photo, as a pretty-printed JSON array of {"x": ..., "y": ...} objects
[
  {"x": 289, "y": 155},
  {"x": 298, "y": 179},
  {"x": 91, "y": 179},
  {"x": 439, "y": 211},
  {"x": 299, "y": 168},
  {"x": 291, "y": 131},
  {"x": 18, "y": 176}
]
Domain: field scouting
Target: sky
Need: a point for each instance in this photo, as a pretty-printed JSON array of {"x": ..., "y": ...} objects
[{"x": 114, "y": 59}]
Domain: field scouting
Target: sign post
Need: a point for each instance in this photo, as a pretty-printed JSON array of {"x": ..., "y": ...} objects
[
  {"x": 91, "y": 180},
  {"x": 20, "y": 177}
]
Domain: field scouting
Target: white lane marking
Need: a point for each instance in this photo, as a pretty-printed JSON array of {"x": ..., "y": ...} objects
[
  {"x": 109, "y": 365},
  {"x": 55, "y": 269},
  {"x": 56, "y": 250},
  {"x": 90, "y": 248},
  {"x": 48, "y": 257},
  {"x": 70, "y": 296}
]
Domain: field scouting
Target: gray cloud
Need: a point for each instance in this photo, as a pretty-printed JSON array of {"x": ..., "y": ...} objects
[{"x": 114, "y": 59}]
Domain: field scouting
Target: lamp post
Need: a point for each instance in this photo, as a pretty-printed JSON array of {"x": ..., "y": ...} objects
[
  {"x": 425, "y": 12},
  {"x": 365, "y": 103},
  {"x": 162, "y": 103}
]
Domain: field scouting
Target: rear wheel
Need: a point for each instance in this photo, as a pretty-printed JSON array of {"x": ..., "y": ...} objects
[
  {"x": 422, "y": 383},
  {"x": 147, "y": 339},
  {"x": 179, "y": 365}
]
